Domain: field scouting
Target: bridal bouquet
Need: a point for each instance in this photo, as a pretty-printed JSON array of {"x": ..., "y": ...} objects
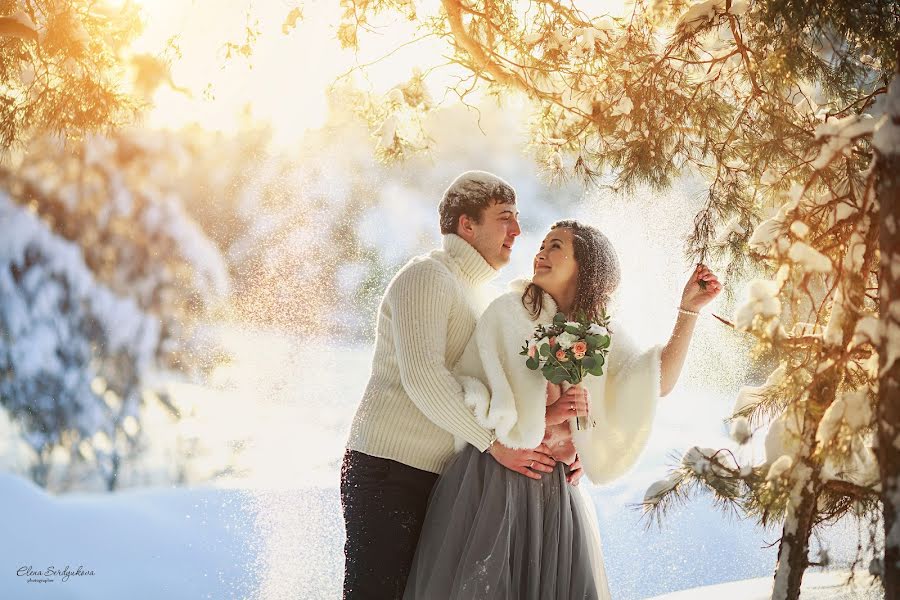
[{"x": 567, "y": 351}]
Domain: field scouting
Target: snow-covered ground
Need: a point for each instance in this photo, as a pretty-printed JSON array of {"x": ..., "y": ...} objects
[
  {"x": 834, "y": 585},
  {"x": 274, "y": 530},
  {"x": 267, "y": 545}
]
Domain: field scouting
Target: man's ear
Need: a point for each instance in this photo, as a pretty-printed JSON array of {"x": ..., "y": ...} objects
[{"x": 465, "y": 229}]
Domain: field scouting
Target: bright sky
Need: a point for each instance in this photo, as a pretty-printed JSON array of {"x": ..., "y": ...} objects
[{"x": 285, "y": 80}]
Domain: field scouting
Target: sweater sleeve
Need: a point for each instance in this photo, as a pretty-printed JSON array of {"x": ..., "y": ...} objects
[{"x": 420, "y": 301}]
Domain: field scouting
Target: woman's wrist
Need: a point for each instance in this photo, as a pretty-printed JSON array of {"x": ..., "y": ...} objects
[{"x": 688, "y": 311}]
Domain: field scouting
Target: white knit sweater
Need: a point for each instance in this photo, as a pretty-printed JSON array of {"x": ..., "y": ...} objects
[
  {"x": 413, "y": 406},
  {"x": 510, "y": 398}
]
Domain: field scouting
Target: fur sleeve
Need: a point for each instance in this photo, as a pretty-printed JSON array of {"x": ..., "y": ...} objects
[
  {"x": 623, "y": 406},
  {"x": 503, "y": 393}
]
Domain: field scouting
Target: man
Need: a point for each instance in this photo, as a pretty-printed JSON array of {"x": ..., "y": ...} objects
[{"x": 403, "y": 432}]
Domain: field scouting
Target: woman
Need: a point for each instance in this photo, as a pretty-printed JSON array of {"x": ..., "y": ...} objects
[{"x": 491, "y": 533}]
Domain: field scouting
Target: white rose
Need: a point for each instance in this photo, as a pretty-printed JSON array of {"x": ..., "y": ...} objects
[{"x": 566, "y": 340}]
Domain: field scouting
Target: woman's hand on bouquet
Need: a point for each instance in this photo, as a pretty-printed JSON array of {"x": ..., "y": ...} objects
[{"x": 574, "y": 402}]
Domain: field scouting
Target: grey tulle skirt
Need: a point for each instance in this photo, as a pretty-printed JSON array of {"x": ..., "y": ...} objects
[{"x": 493, "y": 533}]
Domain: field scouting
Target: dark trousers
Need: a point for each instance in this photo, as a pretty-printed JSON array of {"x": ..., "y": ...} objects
[{"x": 384, "y": 505}]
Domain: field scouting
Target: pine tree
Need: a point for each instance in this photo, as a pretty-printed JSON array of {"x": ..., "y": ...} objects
[
  {"x": 775, "y": 102},
  {"x": 109, "y": 202},
  {"x": 62, "y": 66}
]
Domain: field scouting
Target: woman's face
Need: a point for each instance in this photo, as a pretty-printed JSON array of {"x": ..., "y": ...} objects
[{"x": 555, "y": 269}]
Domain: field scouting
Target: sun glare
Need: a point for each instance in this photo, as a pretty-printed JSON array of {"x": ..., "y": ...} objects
[{"x": 284, "y": 80}]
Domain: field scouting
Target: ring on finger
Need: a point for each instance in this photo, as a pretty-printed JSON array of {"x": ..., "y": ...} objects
[{"x": 531, "y": 466}]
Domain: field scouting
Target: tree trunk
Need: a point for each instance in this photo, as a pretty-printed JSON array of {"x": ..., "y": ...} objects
[
  {"x": 40, "y": 468},
  {"x": 888, "y": 411},
  {"x": 112, "y": 478},
  {"x": 806, "y": 485},
  {"x": 793, "y": 550}
]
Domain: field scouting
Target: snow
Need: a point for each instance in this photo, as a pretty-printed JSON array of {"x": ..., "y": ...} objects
[
  {"x": 839, "y": 135},
  {"x": 387, "y": 133},
  {"x": 765, "y": 235},
  {"x": 660, "y": 488},
  {"x": 783, "y": 437},
  {"x": 623, "y": 106},
  {"x": 858, "y": 465},
  {"x": 809, "y": 258},
  {"x": 557, "y": 40},
  {"x": 21, "y": 17},
  {"x": 817, "y": 585},
  {"x": 701, "y": 460},
  {"x": 699, "y": 14},
  {"x": 396, "y": 96},
  {"x": 850, "y": 408},
  {"x": 853, "y": 261},
  {"x": 834, "y": 329},
  {"x": 606, "y": 23},
  {"x": 167, "y": 215},
  {"x": 234, "y": 543},
  {"x": 748, "y": 396},
  {"x": 800, "y": 229},
  {"x": 762, "y": 300},
  {"x": 141, "y": 545},
  {"x": 778, "y": 468},
  {"x": 64, "y": 326},
  {"x": 732, "y": 228},
  {"x": 740, "y": 430},
  {"x": 739, "y": 7},
  {"x": 586, "y": 38}
]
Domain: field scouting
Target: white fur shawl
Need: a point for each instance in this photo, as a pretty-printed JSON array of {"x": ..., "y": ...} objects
[{"x": 511, "y": 399}]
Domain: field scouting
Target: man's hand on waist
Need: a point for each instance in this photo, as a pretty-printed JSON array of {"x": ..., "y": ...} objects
[{"x": 527, "y": 462}]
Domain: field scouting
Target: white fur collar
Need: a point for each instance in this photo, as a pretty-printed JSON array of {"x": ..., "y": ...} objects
[{"x": 549, "y": 308}]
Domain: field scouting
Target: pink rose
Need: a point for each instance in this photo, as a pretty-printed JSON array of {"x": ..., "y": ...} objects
[
  {"x": 579, "y": 347},
  {"x": 561, "y": 355},
  {"x": 579, "y": 355},
  {"x": 532, "y": 350},
  {"x": 552, "y": 341}
]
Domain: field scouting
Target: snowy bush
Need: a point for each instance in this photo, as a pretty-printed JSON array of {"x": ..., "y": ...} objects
[{"x": 72, "y": 353}]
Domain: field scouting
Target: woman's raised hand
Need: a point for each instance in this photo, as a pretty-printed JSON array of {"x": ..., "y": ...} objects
[
  {"x": 574, "y": 402},
  {"x": 697, "y": 295}
]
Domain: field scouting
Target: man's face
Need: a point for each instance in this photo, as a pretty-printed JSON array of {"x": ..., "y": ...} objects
[{"x": 494, "y": 236}]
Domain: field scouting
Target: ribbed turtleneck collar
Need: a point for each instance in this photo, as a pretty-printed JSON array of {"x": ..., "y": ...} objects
[{"x": 472, "y": 266}]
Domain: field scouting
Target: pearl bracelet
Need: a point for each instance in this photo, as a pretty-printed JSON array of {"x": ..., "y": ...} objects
[{"x": 688, "y": 312}]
